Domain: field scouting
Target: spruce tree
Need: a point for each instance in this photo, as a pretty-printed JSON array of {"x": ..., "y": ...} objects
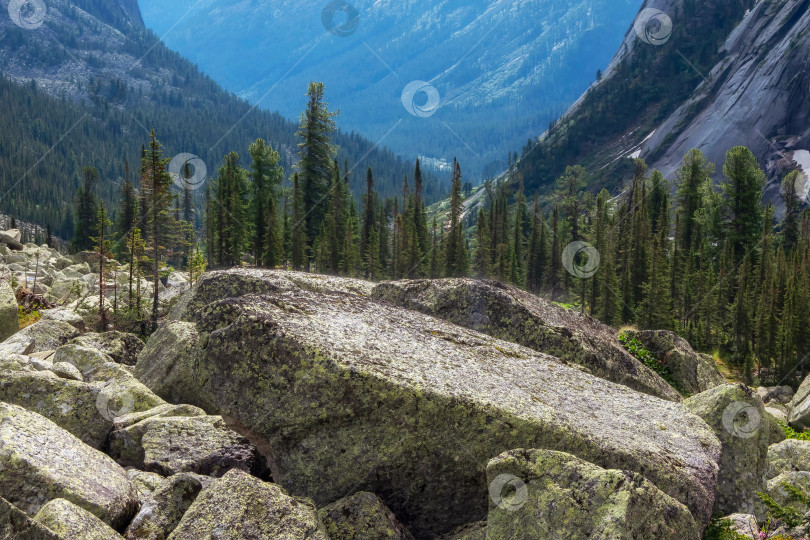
[
  {"x": 316, "y": 152},
  {"x": 742, "y": 195}
]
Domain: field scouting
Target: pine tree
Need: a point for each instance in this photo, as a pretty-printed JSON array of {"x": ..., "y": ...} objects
[
  {"x": 790, "y": 232},
  {"x": 316, "y": 152},
  {"x": 266, "y": 176},
  {"x": 483, "y": 255},
  {"x": 102, "y": 245},
  {"x": 86, "y": 211},
  {"x": 456, "y": 262},
  {"x": 742, "y": 193},
  {"x": 160, "y": 222},
  {"x": 299, "y": 235}
]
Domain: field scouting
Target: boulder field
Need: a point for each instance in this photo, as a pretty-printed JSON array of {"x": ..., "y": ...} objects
[{"x": 274, "y": 404}]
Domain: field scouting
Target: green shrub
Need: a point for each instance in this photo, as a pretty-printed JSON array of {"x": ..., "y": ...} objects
[{"x": 637, "y": 349}]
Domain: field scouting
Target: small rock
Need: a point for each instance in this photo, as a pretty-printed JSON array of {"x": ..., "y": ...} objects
[
  {"x": 547, "y": 494},
  {"x": 693, "y": 372},
  {"x": 164, "y": 508},
  {"x": 738, "y": 418},
  {"x": 64, "y": 315},
  {"x": 40, "y": 336},
  {"x": 776, "y": 489},
  {"x": 201, "y": 444},
  {"x": 16, "y": 525},
  {"x": 145, "y": 482},
  {"x": 744, "y": 524},
  {"x": 161, "y": 411},
  {"x": 67, "y": 371},
  {"x": 123, "y": 348},
  {"x": 9, "y": 315},
  {"x": 363, "y": 515},
  {"x": 788, "y": 456},
  {"x": 239, "y": 506},
  {"x": 39, "y": 462},
  {"x": 72, "y": 405},
  {"x": 70, "y": 521}
]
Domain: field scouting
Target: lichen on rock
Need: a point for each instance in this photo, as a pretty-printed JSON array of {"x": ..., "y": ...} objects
[
  {"x": 554, "y": 495},
  {"x": 239, "y": 506},
  {"x": 39, "y": 462}
]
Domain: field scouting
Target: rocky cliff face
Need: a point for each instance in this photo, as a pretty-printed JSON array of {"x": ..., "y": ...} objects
[
  {"x": 720, "y": 75},
  {"x": 757, "y": 95}
]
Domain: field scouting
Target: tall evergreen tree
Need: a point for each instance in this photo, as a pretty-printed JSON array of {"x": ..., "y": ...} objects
[{"x": 316, "y": 152}]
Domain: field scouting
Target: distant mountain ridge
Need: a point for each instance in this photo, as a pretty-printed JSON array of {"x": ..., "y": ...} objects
[{"x": 501, "y": 70}]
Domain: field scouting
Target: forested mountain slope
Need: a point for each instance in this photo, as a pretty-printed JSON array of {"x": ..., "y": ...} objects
[{"x": 85, "y": 84}]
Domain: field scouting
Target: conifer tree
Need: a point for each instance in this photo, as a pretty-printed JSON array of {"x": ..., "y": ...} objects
[
  {"x": 266, "y": 176},
  {"x": 456, "y": 262},
  {"x": 160, "y": 222},
  {"x": 316, "y": 152},
  {"x": 102, "y": 244},
  {"x": 742, "y": 195},
  {"x": 86, "y": 211}
]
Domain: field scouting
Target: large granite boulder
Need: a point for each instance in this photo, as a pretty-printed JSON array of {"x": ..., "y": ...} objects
[
  {"x": 737, "y": 415},
  {"x": 362, "y": 515},
  {"x": 199, "y": 444},
  {"x": 70, "y": 521},
  {"x": 788, "y": 456},
  {"x": 507, "y": 313},
  {"x": 72, "y": 405},
  {"x": 547, "y": 494},
  {"x": 123, "y": 348},
  {"x": 349, "y": 394},
  {"x": 233, "y": 283},
  {"x": 164, "y": 508},
  {"x": 39, "y": 462},
  {"x": 240, "y": 506},
  {"x": 169, "y": 363},
  {"x": 691, "y": 371}
]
